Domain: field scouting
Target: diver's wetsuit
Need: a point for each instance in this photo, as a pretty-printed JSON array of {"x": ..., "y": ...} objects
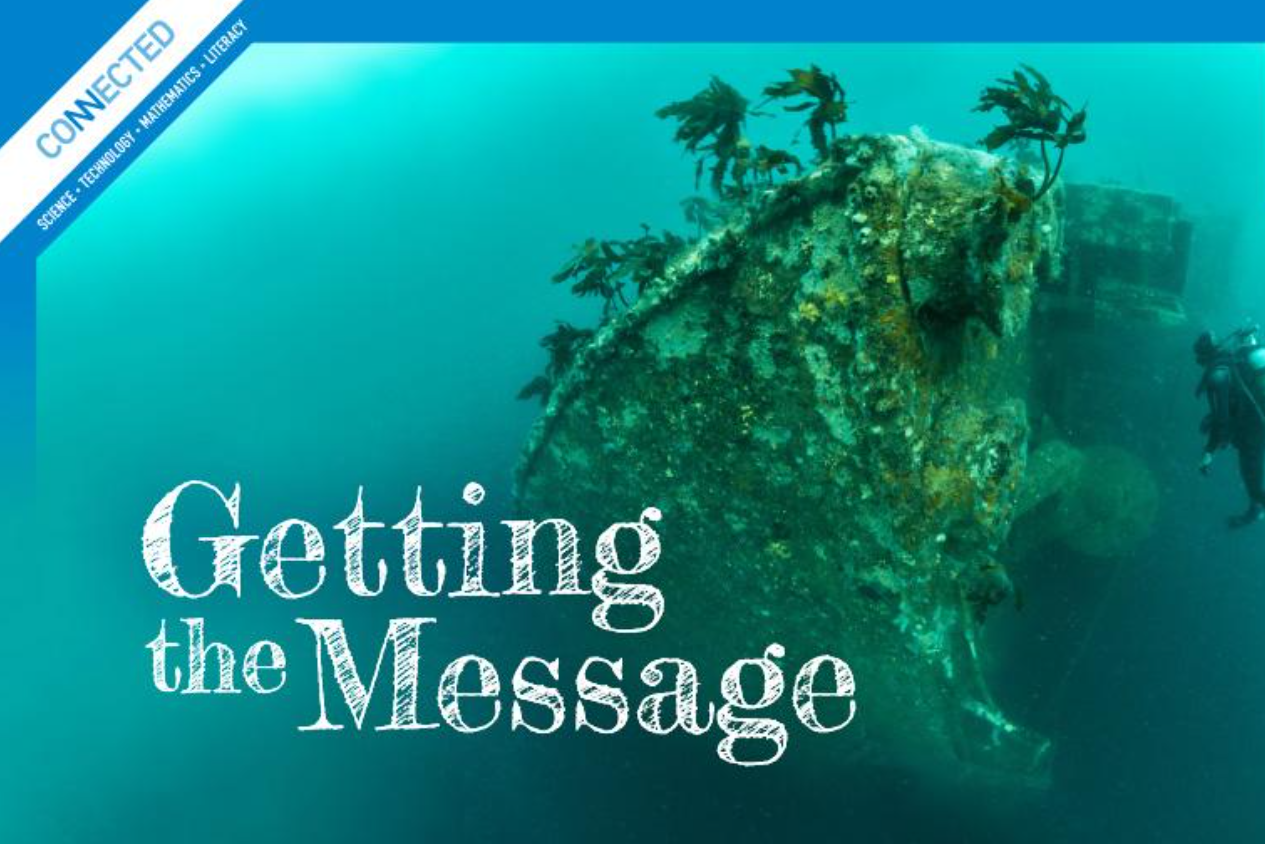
[{"x": 1235, "y": 419}]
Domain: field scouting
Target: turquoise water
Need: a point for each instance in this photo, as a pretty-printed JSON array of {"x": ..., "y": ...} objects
[{"x": 332, "y": 271}]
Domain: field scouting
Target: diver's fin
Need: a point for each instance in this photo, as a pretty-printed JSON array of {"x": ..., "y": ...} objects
[{"x": 1254, "y": 514}]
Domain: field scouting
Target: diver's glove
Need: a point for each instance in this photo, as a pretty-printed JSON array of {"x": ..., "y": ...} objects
[{"x": 1205, "y": 463}]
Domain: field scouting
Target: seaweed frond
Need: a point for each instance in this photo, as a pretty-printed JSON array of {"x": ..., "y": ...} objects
[
  {"x": 563, "y": 344},
  {"x": 702, "y": 213},
  {"x": 710, "y": 124},
  {"x": 608, "y": 268},
  {"x": 539, "y": 387},
  {"x": 825, "y": 97},
  {"x": 593, "y": 271},
  {"x": 645, "y": 259},
  {"x": 769, "y": 162},
  {"x": 1035, "y": 113}
]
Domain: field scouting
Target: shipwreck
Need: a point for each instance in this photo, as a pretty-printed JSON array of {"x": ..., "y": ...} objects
[{"x": 840, "y": 399}]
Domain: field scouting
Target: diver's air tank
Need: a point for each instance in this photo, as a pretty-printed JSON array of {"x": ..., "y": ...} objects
[{"x": 1255, "y": 374}]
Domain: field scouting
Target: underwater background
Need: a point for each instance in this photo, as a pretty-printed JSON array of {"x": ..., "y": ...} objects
[{"x": 333, "y": 271}]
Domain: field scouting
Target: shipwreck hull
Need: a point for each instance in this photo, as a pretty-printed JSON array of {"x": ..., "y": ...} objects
[{"x": 825, "y": 399}]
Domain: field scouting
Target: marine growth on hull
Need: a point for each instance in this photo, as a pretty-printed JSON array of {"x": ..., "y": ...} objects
[{"x": 828, "y": 388}]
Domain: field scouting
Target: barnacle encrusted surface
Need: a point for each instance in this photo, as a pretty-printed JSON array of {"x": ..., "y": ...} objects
[{"x": 824, "y": 398}]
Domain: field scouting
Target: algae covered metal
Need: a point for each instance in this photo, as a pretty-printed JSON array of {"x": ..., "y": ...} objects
[
  {"x": 1126, "y": 256},
  {"x": 825, "y": 399}
]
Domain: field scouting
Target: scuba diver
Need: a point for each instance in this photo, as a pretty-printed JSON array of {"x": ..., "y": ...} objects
[{"x": 1234, "y": 383}]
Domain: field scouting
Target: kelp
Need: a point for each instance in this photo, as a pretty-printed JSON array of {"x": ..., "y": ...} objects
[
  {"x": 710, "y": 124},
  {"x": 1034, "y": 113},
  {"x": 562, "y": 345},
  {"x": 826, "y": 103}
]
